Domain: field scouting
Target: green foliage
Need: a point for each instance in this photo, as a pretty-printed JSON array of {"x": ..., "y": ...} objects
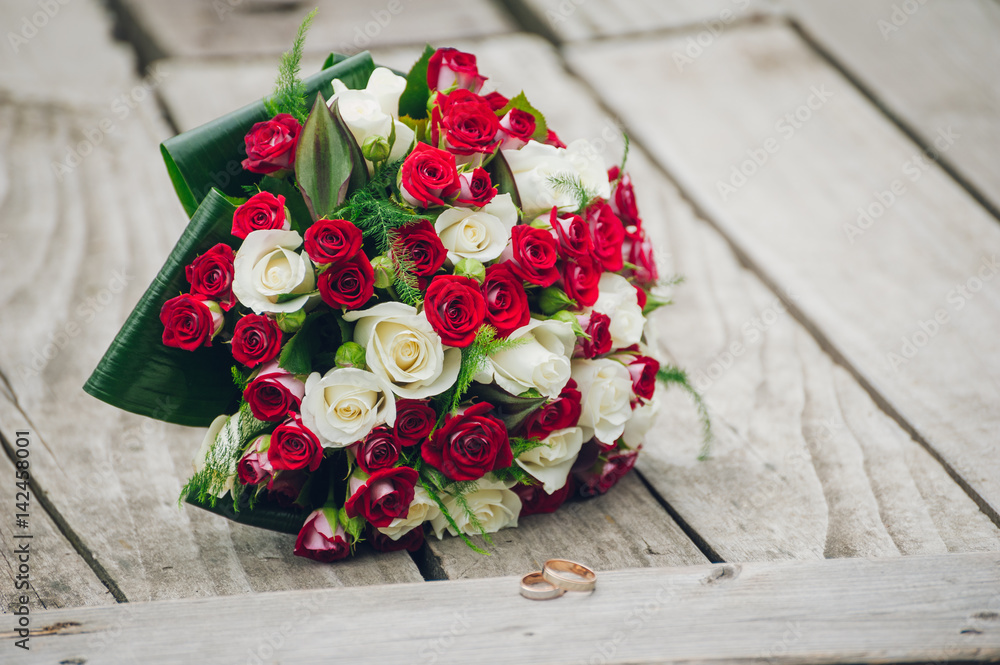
[
  {"x": 474, "y": 360},
  {"x": 297, "y": 354},
  {"x": 372, "y": 211},
  {"x": 413, "y": 101},
  {"x": 432, "y": 492},
  {"x": 325, "y": 161},
  {"x": 669, "y": 374},
  {"x": 571, "y": 184},
  {"x": 240, "y": 380},
  {"x": 289, "y": 90},
  {"x": 520, "y": 102}
]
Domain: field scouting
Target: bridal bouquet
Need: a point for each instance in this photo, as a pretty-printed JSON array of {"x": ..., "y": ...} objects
[{"x": 414, "y": 307}]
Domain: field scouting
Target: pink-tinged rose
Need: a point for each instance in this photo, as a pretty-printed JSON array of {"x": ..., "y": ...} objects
[
  {"x": 506, "y": 300},
  {"x": 273, "y": 393},
  {"x": 383, "y": 496},
  {"x": 598, "y": 326},
  {"x": 378, "y": 450},
  {"x": 410, "y": 541},
  {"x": 553, "y": 139},
  {"x": 643, "y": 371},
  {"x": 581, "y": 279},
  {"x": 211, "y": 276},
  {"x": 496, "y": 100},
  {"x": 420, "y": 245},
  {"x": 415, "y": 419},
  {"x": 518, "y": 127},
  {"x": 476, "y": 189},
  {"x": 332, "y": 241},
  {"x": 465, "y": 122},
  {"x": 535, "y": 501},
  {"x": 573, "y": 234},
  {"x": 608, "y": 234},
  {"x": 602, "y": 476},
  {"x": 533, "y": 255},
  {"x": 639, "y": 251},
  {"x": 321, "y": 538},
  {"x": 256, "y": 340},
  {"x": 449, "y": 68},
  {"x": 428, "y": 177},
  {"x": 285, "y": 486},
  {"x": 294, "y": 447},
  {"x": 560, "y": 413},
  {"x": 455, "y": 308},
  {"x": 469, "y": 445},
  {"x": 271, "y": 144},
  {"x": 623, "y": 199},
  {"x": 254, "y": 468},
  {"x": 349, "y": 284},
  {"x": 262, "y": 212},
  {"x": 189, "y": 323}
]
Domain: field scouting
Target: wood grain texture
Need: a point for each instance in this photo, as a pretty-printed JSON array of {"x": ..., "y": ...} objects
[
  {"x": 931, "y": 64},
  {"x": 902, "y": 610},
  {"x": 792, "y": 218}
]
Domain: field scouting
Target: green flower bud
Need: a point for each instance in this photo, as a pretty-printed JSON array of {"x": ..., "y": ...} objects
[
  {"x": 553, "y": 299},
  {"x": 291, "y": 322},
  {"x": 350, "y": 354},
  {"x": 385, "y": 274},
  {"x": 570, "y": 318},
  {"x": 471, "y": 268},
  {"x": 375, "y": 148}
]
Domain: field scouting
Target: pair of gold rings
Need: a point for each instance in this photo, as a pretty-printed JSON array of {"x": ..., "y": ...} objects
[{"x": 556, "y": 578}]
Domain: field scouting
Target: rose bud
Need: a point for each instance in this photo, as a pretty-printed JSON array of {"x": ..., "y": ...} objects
[
  {"x": 273, "y": 392},
  {"x": 294, "y": 447},
  {"x": 573, "y": 234},
  {"x": 506, "y": 300},
  {"x": 496, "y": 100},
  {"x": 415, "y": 419},
  {"x": 189, "y": 323},
  {"x": 572, "y": 319},
  {"x": 449, "y": 68},
  {"x": 256, "y": 340},
  {"x": 385, "y": 274},
  {"x": 285, "y": 486},
  {"x": 534, "y": 500},
  {"x": 466, "y": 123},
  {"x": 253, "y": 468},
  {"x": 476, "y": 189},
  {"x": 332, "y": 241},
  {"x": 560, "y": 413},
  {"x": 598, "y": 329},
  {"x": 643, "y": 371},
  {"x": 322, "y": 538},
  {"x": 262, "y": 212},
  {"x": 640, "y": 253},
  {"x": 518, "y": 127},
  {"x": 383, "y": 496},
  {"x": 211, "y": 276},
  {"x": 349, "y": 284},
  {"x": 470, "y": 268},
  {"x": 554, "y": 140},
  {"x": 608, "y": 234},
  {"x": 428, "y": 176},
  {"x": 455, "y": 309},
  {"x": 378, "y": 450},
  {"x": 532, "y": 255},
  {"x": 623, "y": 198},
  {"x": 411, "y": 541},
  {"x": 270, "y": 145},
  {"x": 581, "y": 279},
  {"x": 469, "y": 445},
  {"x": 601, "y": 477},
  {"x": 350, "y": 354},
  {"x": 419, "y": 245},
  {"x": 552, "y": 299},
  {"x": 375, "y": 148},
  {"x": 290, "y": 322}
]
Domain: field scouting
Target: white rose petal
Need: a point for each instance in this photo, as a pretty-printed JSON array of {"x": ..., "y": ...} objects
[
  {"x": 266, "y": 267},
  {"x": 642, "y": 420},
  {"x": 422, "y": 509},
  {"x": 541, "y": 362},
  {"x": 402, "y": 348},
  {"x": 344, "y": 405},
  {"x": 551, "y": 462},
  {"x": 374, "y": 111},
  {"x": 535, "y": 164},
  {"x": 493, "y": 504},
  {"x": 477, "y": 234},
  {"x": 618, "y": 299},
  {"x": 607, "y": 390}
]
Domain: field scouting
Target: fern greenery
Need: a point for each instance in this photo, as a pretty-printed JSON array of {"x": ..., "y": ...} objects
[{"x": 289, "y": 90}]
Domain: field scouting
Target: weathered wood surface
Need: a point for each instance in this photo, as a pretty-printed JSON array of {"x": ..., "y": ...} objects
[
  {"x": 931, "y": 64},
  {"x": 79, "y": 249},
  {"x": 869, "y": 294},
  {"x": 910, "y": 609}
]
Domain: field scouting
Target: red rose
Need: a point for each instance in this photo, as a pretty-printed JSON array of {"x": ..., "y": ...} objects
[
  {"x": 506, "y": 300},
  {"x": 415, "y": 420},
  {"x": 189, "y": 322},
  {"x": 262, "y": 212},
  {"x": 428, "y": 176},
  {"x": 449, "y": 67},
  {"x": 273, "y": 393},
  {"x": 321, "y": 538},
  {"x": 420, "y": 245},
  {"x": 378, "y": 450},
  {"x": 496, "y": 100},
  {"x": 518, "y": 127},
  {"x": 253, "y": 468},
  {"x": 467, "y": 123},
  {"x": 332, "y": 240},
  {"x": 599, "y": 329},
  {"x": 573, "y": 234},
  {"x": 580, "y": 280},
  {"x": 603, "y": 476},
  {"x": 211, "y": 276},
  {"x": 643, "y": 371},
  {"x": 476, "y": 189},
  {"x": 560, "y": 413},
  {"x": 384, "y": 496},
  {"x": 294, "y": 447},
  {"x": 411, "y": 540},
  {"x": 349, "y": 284},
  {"x": 640, "y": 253},
  {"x": 469, "y": 445},
  {"x": 271, "y": 144},
  {"x": 256, "y": 340},
  {"x": 553, "y": 139},
  {"x": 455, "y": 309},
  {"x": 608, "y": 234},
  {"x": 623, "y": 198},
  {"x": 285, "y": 486},
  {"x": 533, "y": 255},
  {"x": 535, "y": 501}
]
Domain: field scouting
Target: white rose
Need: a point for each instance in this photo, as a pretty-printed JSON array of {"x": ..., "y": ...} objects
[
  {"x": 607, "y": 390},
  {"x": 344, "y": 405},
  {"x": 541, "y": 362},
  {"x": 642, "y": 420},
  {"x": 402, "y": 348},
  {"x": 422, "y": 509},
  {"x": 550, "y": 463},
  {"x": 477, "y": 234},
  {"x": 266, "y": 267},
  {"x": 619, "y": 300},
  {"x": 535, "y": 164},
  {"x": 492, "y": 503},
  {"x": 374, "y": 110}
]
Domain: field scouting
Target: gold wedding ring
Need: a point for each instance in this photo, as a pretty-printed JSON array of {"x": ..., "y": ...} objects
[
  {"x": 580, "y": 578},
  {"x": 536, "y": 587}
]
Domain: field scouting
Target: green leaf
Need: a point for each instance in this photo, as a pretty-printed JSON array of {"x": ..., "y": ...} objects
[
  {"x": 413, "y": 101},
  {"x": 283, "y": 520},
  {"x": 139, "y": 374},
  {"x": 520, "y": 102},
  {"x": 512, "y": 410},
  {"x": 297, "y": 354},
  {"x": 503, "y": 178},
  {"x": 289, "y": 90},
  {"x": 323, "y": 163}
]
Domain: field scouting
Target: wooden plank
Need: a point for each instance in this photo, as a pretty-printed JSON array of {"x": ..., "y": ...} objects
[
  {"x": 931, "y": 64},
  {"x": 94, "y": 236},
  {"x": 911, "y": 609},
  {"x": 866, "y": 295}
]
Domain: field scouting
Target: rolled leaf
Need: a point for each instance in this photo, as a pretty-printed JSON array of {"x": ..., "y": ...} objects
[{"x": 323, "y": 161}]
